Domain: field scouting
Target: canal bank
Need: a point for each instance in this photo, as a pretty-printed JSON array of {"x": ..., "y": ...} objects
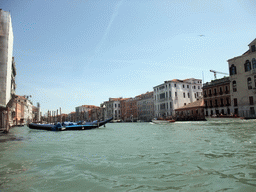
[{"x": 182, "y": 156}]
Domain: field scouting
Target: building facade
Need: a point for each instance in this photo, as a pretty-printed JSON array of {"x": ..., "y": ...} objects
[
  {"x": 174, "y": 94},
  {"x": 191, "y": 112},
  {"x": 129, "y": 109},
  {"x": 7, "y": 70},
  {"x": 146, "y": 107},
  {"x": 217, "y": 97},
  {"x": 112, "y": 108},
  {"x": 242, "y": 71}
]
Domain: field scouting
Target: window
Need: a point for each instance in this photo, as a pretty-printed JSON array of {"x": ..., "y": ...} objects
[
  {"x": 184, "y": 103},
  {"x": 184, "y": 95},
  {"x": 162, "y": 95},
  {"x": 215, "y": 91},
  {"x": 205, "y": 103},
  {"x": 174, "y": 85},
  {"x": 232, "y": 69},
  {"x": 254, "y": 80},
  {"x": 249, "y": 83},
  {"x": 210, "y": 92},
  {"x": 183, "y": 86},
  {"x": 170, "y": 104},
  {"x": 216, "y": 103},
  {"x": 235, "y": 101},
  {"x": 234, "y": 86},
  {"x": 251, "y": 100},
  {"x": 221, "y": 90},
  {"x": 195, "y": 95},
  {"x": 175, "y": 94},
  {"x": 254, "y": 63},
  {"x": 253, "y": 48},
  {"x": 194, "y": 87},
  {"x": 247, "y": 66},
  {"x": 162, "y": 106},
  {"x": 198, "y": 87},
  {"x": 252, "y": 112},
  {"x": 170, "y": 95},
  {"x": 188, "y": 95},
  {"x": 187, "y": 86}
]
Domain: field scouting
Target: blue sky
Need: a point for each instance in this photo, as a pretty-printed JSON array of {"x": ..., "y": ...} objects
[{"x": 81, "y": 52}]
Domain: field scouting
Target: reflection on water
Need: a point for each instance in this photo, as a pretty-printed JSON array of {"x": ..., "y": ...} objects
[{"x": 182, "y": 156}]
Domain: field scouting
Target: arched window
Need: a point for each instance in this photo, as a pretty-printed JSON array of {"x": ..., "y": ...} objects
[
  {"x": 247, "y": 66},
  {"x": 234, "y": 86},
  {"x": 249, "y": 82},
  {"x": 232, "y": 69},
  {"x": 254, "y": 63}
]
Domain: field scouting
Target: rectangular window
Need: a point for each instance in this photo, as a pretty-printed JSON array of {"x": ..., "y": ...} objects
[
  {"x": 235, "y": 101},
  {"x": 253, "y": 48},
  {"x": 170, "y": 95},
  {"x": 188, "y": 95},
  {"x": 162, "y": 95},
  {"x": 187, "y": 86},
  {"x": 175, "y": 94},
  {"x": 252, "y": 112},
  {"x": 184, "y": 95},
  {"x": 251, "y": 100}
]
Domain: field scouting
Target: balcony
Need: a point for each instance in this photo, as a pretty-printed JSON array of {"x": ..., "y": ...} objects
[
  {"x": 221, "y": 93},
  {"x": 205, "y": 96}
]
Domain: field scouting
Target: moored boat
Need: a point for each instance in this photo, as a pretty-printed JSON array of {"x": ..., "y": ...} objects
[{"x": 69, "y": 126}]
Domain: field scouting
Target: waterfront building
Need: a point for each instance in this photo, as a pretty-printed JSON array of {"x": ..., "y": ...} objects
[
  {"x": 242, "y": 71},
  {"x": 217, "y": 97},
  {"x": 175, "y": 93},
  {"x": 192, "y": 111},
  {"x": 7, "y": 69},
  {"x": 146, "y": 107},
  {"x": 82, "y": 112},
  {"x": 36, "y": 113},
  {"x": 96, "y": 113},
  {"x": 129, "y": 109},
  {"x": 71, "y": 116},
  {"x": 113, "y": 108},
  {"x": 23, "y": 110}
]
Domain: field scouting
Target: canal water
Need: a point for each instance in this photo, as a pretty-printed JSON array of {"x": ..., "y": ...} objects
[{"x": 183, "y": 156}]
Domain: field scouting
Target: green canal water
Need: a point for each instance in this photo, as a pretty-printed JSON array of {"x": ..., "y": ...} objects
[{"x": 183, "y": 156}]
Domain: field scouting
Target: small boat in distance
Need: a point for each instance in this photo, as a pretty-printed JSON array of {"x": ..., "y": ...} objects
[
  {"x": 69, "y": 126},
  {"x": 162, "y": 121}
]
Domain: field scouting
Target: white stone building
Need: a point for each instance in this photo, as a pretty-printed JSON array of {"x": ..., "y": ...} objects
[
  {"x": 7, "y": 69},
  {"x": 112, "y": 108},
  {"x": 242, "y": 71},
  {"x": 174, "y": 94}
]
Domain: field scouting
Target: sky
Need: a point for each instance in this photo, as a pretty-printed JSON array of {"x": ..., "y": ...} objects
[{"x": 70, "y": 53}]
